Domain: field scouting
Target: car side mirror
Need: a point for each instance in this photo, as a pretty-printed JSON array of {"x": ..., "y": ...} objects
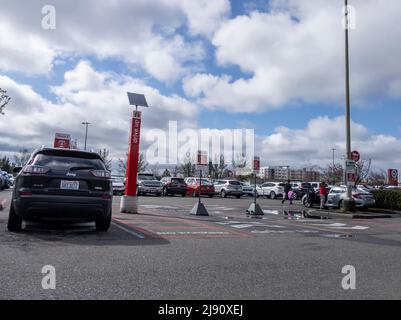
[{"x": 17, "y": 169}]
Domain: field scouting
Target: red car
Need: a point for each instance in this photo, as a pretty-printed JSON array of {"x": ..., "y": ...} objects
[{"x": 207, "y": 188}]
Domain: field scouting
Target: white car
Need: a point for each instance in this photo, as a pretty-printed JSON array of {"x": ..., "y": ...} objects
[
  {"x": 272, "y": 190},
  {"x": 337, "y": 195},
  {"x": 248, "y": 189},
  {"x": 118, "y": 185}
]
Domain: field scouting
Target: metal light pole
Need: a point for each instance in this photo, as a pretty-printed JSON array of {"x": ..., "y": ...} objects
[
  {"x": 86, "y": 132},
  {"x": 334, "y": 178},
  {"x": 349, "y": 203}
]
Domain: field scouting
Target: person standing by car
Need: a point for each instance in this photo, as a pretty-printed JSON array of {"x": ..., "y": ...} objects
[
  {"x": 287, "y": 189},
  {"x": 323, "y": 193}
]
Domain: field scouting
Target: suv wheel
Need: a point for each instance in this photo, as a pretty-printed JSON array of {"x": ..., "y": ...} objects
[
  {"x": 103, "y": 223},
  {"x": 223, "y": 194},
  {"x": 14, "y": 221},
  {"x": 273, "y": 195}
]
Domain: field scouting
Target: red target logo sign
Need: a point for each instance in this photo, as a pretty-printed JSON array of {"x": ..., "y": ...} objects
[
  {"x": 355, "y": 156},
  {"x": 393, "y": 177}
]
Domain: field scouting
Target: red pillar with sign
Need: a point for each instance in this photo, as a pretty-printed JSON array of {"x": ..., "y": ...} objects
[
  {"x": 129, "y": 202},
  {"x": 133, "y": 155}
]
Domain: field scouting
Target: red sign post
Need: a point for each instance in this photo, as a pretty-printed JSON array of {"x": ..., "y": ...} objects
[
  {"x": 129, "y": 202},
  {"x": 355, "y": 156},
  {"x": 133, "y": 154},
  {"x": 62, "y": 140}
]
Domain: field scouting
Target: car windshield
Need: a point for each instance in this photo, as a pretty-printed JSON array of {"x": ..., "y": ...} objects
[
  {"x": 204, "y": 181},
  {"x": 145, "y": 177},
  {"x": 66, "y": 163}
]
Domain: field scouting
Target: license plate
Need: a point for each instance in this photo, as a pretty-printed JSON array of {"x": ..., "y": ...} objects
[{"x": 69, "y": 185}]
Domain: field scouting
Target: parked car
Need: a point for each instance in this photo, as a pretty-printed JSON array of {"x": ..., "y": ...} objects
[
  {"x": 11, "y": 178},
  {"x": 337, "y": 195},
  {"x": 62, "y": 183},
  {"x": 148, "y": 183},
  {"x": 272, "y": 190},
  {"x": 2, "y": 182},
  {"x": 300, "y": 189},
  {"x": 248, "y": 190},
  {"x": 172, "y": 186},
  {"x": 204, "y": 185},
  {"x": 118, "y": 185},
  {"x": 315, "y": 185},
  {"x": 6, "y": 180},
  {"x": 228, "y": 188}
]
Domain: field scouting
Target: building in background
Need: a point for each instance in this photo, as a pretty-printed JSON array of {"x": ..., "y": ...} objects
[{"x": 284, "y": 173}]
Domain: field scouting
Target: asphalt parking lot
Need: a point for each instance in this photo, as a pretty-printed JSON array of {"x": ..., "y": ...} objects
[{"x": 165, "y": 253}]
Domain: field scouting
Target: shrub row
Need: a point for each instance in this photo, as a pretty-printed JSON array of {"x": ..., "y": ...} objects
[{"x": 388, "y": 199}]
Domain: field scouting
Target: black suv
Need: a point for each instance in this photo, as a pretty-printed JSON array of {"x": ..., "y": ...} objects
[
  {"x": 62, "y": 183},
  {"x": 172, "y": 186}
]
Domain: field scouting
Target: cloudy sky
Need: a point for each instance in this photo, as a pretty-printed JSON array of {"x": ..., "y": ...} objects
[{"x": 275, "y": 66}]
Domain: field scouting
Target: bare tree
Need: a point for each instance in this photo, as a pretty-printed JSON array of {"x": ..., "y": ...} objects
[
  {"x": 363, "y": 170},
  {"x": 239, "y": 162},
  {"x": 377, "y": 178},
  {"x": 22, "y": 157},
  {"x": 217, "y": 169},
  {"x": 142, "y": 163},
  {"x": 105, "y": 155},
  {"x": 4, "y": 100},
  {"x": 333, "y": 174},
  {"x": 188, "y": 168}
]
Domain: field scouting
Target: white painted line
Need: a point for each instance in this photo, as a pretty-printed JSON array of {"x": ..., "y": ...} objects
[
  {"x": 151, "y": 206},
  {"x": 192, "y": 232},
  {"x": 276, "y": 212},
  {"x": 228, "y": 222},
  {"x": 128, "y": 231},
  {"x": 331, "y": 225},
  {"x": 350, "y": 228},
  {"x": 242, "y": 226}
]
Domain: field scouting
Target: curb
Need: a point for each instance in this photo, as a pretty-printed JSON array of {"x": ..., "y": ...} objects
[{"x": 331, "y": 215}]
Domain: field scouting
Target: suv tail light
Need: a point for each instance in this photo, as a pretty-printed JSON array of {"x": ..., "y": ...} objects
[
  {"x": 101, "y": 173},
  {"x": 36, "y": 169}
]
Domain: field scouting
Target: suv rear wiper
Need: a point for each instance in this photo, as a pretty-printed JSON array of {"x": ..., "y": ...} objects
[{"x": 81, "y": 168}]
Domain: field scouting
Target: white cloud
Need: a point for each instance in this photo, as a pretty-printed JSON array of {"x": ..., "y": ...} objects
[
  {"x": 144, "y": 34},
  {"x": 312, "y": 145},
  {"x": 86, "y": 94},
  {"x": 295, "y": 52}
]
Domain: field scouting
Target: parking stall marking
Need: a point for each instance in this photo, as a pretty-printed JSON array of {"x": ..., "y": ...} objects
[{"x": 156, "y": 226}]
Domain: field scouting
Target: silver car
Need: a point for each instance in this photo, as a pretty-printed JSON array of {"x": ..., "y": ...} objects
[
  {"x": 337, "y": 195},
  {"x": 228, "y": 188},
  {"x": 271, "y": 189},
  {"x": 148, "y": 183}
]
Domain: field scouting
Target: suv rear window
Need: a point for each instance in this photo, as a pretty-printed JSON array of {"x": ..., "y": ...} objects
[
  {"x": 146, "y": 177},
  {"x": 234, "y": 183},
  {"x": 65, "y": 163},
  {"x": 180, "y": 180}
]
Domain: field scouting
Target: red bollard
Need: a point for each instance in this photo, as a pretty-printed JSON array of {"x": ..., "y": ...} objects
[{"x": 129, "y": 202}]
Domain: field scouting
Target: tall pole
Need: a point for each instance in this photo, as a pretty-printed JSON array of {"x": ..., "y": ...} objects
[
  {"x": 349, "y": 205},
  {"x": 333, "y": 172},
  {"x": 86, "y": 132}
]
